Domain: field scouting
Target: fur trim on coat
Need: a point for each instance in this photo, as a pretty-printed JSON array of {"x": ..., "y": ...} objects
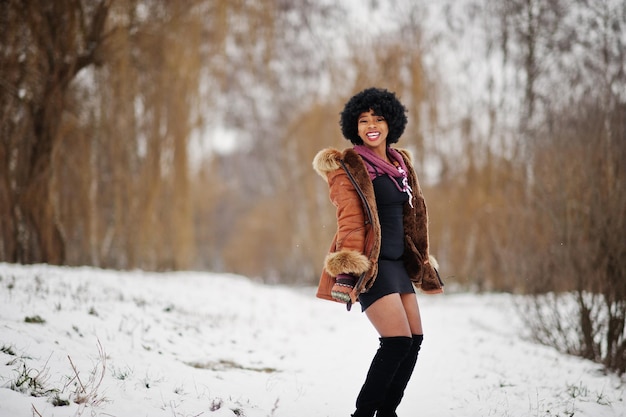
[{"x": 356, "y": 244}]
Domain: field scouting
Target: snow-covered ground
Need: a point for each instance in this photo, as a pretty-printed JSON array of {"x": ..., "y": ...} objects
[{"x": 132, "y": 344}]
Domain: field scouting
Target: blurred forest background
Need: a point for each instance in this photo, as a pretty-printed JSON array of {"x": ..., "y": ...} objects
[{"x": 168, "y": 135}]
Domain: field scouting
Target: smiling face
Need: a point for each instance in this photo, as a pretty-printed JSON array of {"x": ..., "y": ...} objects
[{"x": 373, "y": 130}]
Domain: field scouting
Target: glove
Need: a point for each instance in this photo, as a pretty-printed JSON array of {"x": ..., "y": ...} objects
[{"x": 343, "y": 287}]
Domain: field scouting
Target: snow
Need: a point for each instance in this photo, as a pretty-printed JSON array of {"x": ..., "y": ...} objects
[{"x": 218, "y": 345}]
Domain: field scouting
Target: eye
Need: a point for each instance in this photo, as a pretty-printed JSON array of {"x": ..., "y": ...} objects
[{"x": 380, "y": 119}]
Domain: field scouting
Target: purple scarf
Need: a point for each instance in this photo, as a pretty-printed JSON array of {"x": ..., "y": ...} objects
[{"x": 377, "y": 166}]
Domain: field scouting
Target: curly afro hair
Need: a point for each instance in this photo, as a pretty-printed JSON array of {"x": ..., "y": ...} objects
[{"x": 383, "y": 103}]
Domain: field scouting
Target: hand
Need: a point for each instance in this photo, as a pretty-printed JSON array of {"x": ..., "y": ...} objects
[
  {"x": 432, "y": 261},
  {"x": 344, "y": 285}
]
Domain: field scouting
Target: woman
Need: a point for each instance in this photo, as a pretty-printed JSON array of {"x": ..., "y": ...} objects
[{"x": 380, "y": 250}]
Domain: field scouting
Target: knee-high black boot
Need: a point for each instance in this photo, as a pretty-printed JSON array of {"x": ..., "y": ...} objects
[
  {"x": 390, "y": 354},
  {"x": 400, "y": 380}
]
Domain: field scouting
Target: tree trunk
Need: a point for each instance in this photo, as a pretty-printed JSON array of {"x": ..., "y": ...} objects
[
  {"x": 42, "y": 240},
  {"x": 8, "y": 231}
]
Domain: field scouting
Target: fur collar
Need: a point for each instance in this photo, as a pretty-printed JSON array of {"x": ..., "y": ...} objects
[{"x": 327, "y": 160}]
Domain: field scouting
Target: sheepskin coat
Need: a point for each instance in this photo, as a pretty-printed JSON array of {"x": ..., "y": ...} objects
[{"x": 356, "y": 245}]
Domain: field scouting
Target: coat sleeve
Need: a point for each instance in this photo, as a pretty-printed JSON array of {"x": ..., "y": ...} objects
[{"x": 348, "y": 257}]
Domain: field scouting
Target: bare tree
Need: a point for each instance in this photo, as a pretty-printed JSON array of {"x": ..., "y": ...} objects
[
  {"x": 45, "y": 45},
  {"x": 573, "y": 213}
]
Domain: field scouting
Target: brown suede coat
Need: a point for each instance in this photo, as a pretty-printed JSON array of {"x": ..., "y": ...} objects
[{"x": 356, "y": 244}]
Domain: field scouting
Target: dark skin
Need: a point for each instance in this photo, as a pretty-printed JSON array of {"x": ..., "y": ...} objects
[{"x": 393, "y": 314}]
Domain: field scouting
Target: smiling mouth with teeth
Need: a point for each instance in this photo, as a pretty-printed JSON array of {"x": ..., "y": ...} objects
[{"x": 373, "y": 135}]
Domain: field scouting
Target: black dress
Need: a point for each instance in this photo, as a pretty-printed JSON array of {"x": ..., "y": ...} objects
[{"x": 392, "y": 276}]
